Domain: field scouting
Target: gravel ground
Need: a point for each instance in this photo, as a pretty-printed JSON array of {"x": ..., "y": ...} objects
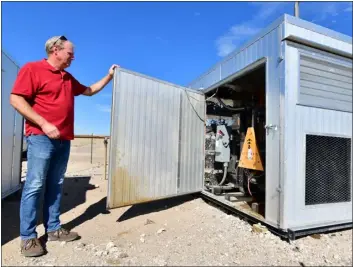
[{"x": 179, "y": 231}]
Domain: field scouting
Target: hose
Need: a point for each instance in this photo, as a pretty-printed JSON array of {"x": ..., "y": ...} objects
[
  {"x": 249, "y": 178},
  {"x": 224, "y": 173},
  {"x": 220, "y": 185}
]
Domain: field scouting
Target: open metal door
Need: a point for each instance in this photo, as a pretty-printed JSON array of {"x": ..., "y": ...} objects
[
  {"x": 12, "y": 130},
  {"x": 157, "y": 140}
]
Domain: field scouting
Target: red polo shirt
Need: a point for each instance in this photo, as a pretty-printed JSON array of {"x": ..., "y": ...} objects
[{"x": 50, "y": 93}]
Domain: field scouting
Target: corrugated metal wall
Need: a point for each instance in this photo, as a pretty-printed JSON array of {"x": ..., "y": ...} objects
[
  {"x": 12, "y": 130},
  {"x": 157, "y": 140},
  {"x": 192, "y": 131}
]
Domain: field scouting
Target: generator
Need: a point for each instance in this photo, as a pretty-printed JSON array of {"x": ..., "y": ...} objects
[{"x": 265, "y": 133}]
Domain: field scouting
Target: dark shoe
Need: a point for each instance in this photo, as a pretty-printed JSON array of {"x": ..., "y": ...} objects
[
  {"x": 62, "y": 235},
  {"x": 31, "y": 248}
]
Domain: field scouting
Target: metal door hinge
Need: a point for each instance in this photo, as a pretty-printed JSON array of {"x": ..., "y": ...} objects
[{"x": 270, "y": 127}]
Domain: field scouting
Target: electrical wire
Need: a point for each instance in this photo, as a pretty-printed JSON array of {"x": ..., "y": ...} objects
[
  {"x": 194, "y": 107},
  {"x": 250, "y": 175},
  {"x": 202, "y": 100},
  {"x": 188, "y": 96}
]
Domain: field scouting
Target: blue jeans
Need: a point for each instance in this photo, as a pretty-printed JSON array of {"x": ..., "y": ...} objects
[{"x": 46, "y": 166}]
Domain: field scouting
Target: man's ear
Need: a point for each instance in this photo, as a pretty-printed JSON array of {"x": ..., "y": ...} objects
[{"x": 55, "y": 49}]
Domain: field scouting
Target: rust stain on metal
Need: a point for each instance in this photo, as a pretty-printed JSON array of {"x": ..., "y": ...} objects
[{"x": 126, "y": 189}]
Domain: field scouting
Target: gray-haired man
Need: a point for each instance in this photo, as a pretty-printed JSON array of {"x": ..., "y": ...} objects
[{"x": 44, "y": 94}]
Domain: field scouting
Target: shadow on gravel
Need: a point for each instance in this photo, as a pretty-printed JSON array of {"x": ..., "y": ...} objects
[
  {"x": 91, "y": 212},
  {"x": 155, "y": 206},
  {"x": 74, "y": 194}
]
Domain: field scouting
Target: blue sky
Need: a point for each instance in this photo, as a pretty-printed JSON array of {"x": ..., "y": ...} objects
[{"x": 175, "y": 41}]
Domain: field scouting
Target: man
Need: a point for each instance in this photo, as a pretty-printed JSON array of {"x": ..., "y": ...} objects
[{"x": 44, "y": 94}]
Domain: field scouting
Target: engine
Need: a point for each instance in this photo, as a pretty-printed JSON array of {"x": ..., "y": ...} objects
[{"x": 235, "y": 148}]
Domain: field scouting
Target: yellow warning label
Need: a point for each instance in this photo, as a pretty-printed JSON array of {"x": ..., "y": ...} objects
[{"x": 250, "y": 157}]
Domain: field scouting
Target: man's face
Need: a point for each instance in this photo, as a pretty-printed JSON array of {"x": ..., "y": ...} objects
[{"x": 65, "y": 55}]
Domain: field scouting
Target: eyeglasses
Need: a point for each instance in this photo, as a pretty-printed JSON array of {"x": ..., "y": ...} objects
[{"x": 62, "y": 38}]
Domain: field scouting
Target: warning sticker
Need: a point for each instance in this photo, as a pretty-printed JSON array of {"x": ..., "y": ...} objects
[{"x": 250, "y": 157}]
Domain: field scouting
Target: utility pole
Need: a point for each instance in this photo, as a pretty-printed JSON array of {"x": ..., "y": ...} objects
[{"x": 296, "y": 9}]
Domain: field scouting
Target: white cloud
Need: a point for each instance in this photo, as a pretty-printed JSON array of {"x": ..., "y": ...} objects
[
  {"x": 103, "y": 108},
  {"x": 267, "y": 9},
  {"x": 242, "y": 31},
  {"x": 323, "y": 11},
  {"x": 227, "y": 43}
]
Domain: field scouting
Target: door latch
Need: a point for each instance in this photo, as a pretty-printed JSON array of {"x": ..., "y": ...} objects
[{"x": 270, "y": 127}]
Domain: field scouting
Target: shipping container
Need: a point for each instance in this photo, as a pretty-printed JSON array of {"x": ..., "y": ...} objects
[
  {"x": 12, "y": 130},
  {"x": 266, "y": 132}
]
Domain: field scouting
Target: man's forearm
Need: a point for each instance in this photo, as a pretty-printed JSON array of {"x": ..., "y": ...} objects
[
  {"x": 95, "y": 88},
  {"x": 22, "y": 106}
]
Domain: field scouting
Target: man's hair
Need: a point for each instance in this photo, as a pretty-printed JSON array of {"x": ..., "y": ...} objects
[{"x": 54, "y": 41}]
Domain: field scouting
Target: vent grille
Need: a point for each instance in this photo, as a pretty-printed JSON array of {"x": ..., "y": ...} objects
[{"x": 327, "y": 170}]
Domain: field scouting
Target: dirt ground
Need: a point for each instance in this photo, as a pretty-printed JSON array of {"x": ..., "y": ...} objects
[{"x": 179, "y": 231}]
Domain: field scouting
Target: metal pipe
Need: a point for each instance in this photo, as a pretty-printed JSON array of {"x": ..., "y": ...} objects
[
  {"x": 91, "y": 147},
  {"x": 90, "y": 136},
  {"x": 296, "y": 9}
]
